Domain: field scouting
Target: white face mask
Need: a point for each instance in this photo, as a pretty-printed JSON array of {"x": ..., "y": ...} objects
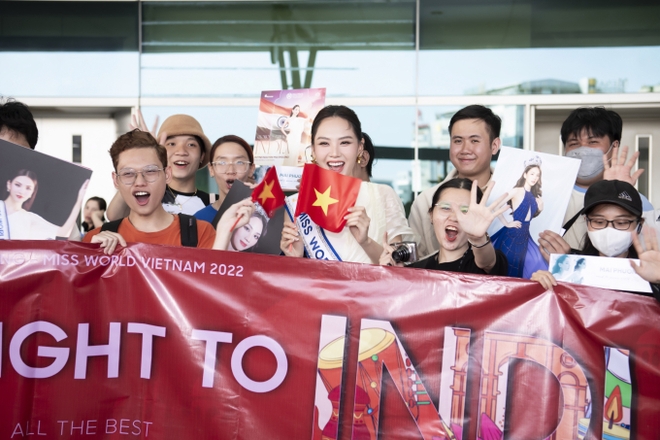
[
  {"x": 610, "y": 242},
  {"x": 591, "y": 161}
]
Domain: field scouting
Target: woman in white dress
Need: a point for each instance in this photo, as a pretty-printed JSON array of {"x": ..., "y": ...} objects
[
  {"x": 25, "y": 225},
  {"x": 337, "y": 145},
  {"x": 294, "y": 127}
]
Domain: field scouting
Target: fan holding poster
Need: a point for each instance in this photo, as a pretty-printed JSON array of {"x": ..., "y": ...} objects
[
  {"x": 524, "y": 174},
  {"x": 283, "y": 135},
  {"x": 41, "y": 195}
]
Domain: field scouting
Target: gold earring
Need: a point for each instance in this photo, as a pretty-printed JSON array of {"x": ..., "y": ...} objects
[{"x": 359, "y": 159}]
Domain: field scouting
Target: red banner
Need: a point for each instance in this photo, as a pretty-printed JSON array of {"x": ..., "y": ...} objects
[{"x": 171, "y": 343}]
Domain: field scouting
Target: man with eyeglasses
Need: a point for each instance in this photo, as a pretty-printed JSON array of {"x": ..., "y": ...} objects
[
  {"x": 141, "y": 177},
  {"x": 187, "y": 151},
  {"x": 593, "y": 135}
]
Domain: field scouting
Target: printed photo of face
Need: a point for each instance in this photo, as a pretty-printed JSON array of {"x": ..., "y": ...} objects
[
  {"x": 247, "y": 236},
  {"x": 20, "y": 189}
]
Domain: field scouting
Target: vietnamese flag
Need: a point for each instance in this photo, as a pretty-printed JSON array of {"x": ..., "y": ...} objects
[
  {"x": 269, "y": 193},
  {"x": 326, "y": 196}
]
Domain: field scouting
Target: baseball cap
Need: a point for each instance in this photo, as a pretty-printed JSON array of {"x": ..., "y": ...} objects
[{"x": 614, "y": 192}]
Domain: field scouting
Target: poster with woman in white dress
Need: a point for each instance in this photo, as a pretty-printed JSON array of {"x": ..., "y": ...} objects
[
  {"x": 40, "y": 195},
  {"x": 284, "y": 125}
]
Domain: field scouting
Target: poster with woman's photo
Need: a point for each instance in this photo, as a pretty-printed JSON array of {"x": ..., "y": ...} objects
[
  {"x": 605, "y": 272},
  {"x": 41, "y": 195},
  {"x": 540, "y": 187},
  {"x": 284, "y": 126},
  {"x": 261, "y": 234}
]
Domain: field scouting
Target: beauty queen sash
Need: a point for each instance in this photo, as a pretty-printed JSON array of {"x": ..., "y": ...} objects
[
  {"x": 317, "y": 245},
  {"x": 4, "y": 222}
]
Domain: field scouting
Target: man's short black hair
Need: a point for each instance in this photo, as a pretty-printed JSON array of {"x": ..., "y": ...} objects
[
  {"x": 493, "y": 122},
  {"x": 596, "y": 120},
  {"x": 16, "y": 116}
]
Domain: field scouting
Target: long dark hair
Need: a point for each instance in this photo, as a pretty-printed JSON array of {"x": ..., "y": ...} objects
[
  {"x": 33, "y": 176},
  {"x": 536, "y": 189},
  {"x": 369, "y": 148},
  {"x": 458, "y": 183},
  {"x": 292, "y": 108},
  {"x": 340, "y": 111}
]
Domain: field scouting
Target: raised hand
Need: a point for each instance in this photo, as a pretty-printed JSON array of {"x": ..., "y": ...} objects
[
  {"x": 479, "y": 216},
  {"x": 620, "y": 169},
  {"x": 649, "y": 256},
  {"x": 137, "y": 121}
]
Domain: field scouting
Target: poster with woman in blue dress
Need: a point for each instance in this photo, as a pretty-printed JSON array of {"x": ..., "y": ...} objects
[{"x": 540, "y": 186}]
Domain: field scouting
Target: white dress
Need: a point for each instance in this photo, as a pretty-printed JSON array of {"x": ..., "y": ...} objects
[
  {"x": 386, "y": 214},
  {"x": 26, "y": 225}
]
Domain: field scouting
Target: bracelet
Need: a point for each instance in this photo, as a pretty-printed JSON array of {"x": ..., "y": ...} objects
[{"x": 481, "y": 245}]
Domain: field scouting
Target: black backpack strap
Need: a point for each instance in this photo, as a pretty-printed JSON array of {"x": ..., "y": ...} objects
[
  {"x": 112, "y": 226},
  {"x": 188, "y": 230}
]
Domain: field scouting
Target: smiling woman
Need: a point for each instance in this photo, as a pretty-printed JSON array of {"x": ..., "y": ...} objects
[
  {"x": 337, "y": 145},
  {"x": 21, "y": 191},
  {"x": 460, "y": 219}
]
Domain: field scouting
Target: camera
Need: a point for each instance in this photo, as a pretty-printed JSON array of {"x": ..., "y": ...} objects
[{"x": 404, "y": 252}]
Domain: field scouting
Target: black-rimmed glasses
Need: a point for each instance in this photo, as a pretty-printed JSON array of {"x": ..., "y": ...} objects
[{"x": 620, "y": 224}]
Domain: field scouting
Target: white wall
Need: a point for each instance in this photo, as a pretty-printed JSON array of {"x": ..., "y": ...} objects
[{"x": 98, "y": 134}]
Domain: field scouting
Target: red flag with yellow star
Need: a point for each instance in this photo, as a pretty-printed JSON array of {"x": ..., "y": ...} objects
[
  {"x": 326, "y": 196},
  {"x": 269, "y": 193}
]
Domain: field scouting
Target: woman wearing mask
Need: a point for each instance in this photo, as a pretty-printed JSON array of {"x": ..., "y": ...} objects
[
  {"x": 613, "y": 214},
  {"x": 337, "y": 145}
]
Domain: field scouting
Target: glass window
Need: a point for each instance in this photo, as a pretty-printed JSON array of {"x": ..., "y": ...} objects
[
  {"x": 242, "y": 48},
  {"x": 69, "y": 26},
  {"x": 538, "y": 47}
]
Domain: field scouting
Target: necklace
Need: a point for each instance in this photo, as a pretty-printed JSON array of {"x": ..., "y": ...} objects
[{"x": 180, "y": 205}]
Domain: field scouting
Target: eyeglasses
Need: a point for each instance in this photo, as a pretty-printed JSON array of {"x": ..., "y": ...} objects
[
  {"x": 601, "y": 223},
  {"x": 222, "y": 167},
  {"x": 445, "y": 208},
  {"x": 127, "y": 176}
]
